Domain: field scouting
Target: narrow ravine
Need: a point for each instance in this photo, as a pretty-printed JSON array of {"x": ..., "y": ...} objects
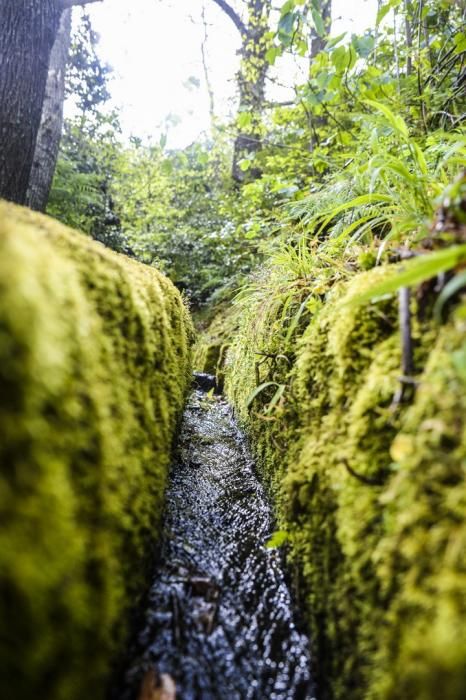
[{"x": 220, "y": 621}]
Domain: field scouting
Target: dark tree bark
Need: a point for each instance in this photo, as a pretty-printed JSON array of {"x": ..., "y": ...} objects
[
  {"x": 27, "y": 33},
  {"x": 49, "y": 135},
  {"x": 232, "y": 14}
]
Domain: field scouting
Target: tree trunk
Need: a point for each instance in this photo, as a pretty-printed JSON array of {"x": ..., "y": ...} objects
[
  {"x": 251, "y": 79},
  {"x": 27, "y": 34},
  {"x": 251, "y": 82},
  {"x": 409, "y": 36},
  {"x": 48, "y": 138},
  {"x": 317, "y": 45}
]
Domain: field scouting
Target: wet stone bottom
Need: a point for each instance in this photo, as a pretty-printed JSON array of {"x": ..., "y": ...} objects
[{"x": 219, "y": 622}]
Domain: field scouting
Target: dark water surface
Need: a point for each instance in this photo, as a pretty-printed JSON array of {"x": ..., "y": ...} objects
[{"x": 220, "y": 620}]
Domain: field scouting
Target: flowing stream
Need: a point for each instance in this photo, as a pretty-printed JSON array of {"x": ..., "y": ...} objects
[{"x": 219, "y": 622}]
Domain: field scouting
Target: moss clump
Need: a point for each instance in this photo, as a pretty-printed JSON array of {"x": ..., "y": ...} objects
[
  {"x": 421, "y": 560},
  {"x": 213, "y": 341},
  {"x": 371, "y": 491},
  {"x": 94, "y": 365}
]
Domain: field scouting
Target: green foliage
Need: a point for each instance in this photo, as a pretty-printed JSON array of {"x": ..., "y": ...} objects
[
  {"x": 375, "y": 117},
  {"x": 361, "y": 169},
  {"x": 370, "y": 490},
  {"x": 94, "y": 365},
  {"x": 372, "y": 171},
  {"x": 87, "y": 78},
  {"x": 175, "y": 209},
  {"x": 80, "y": 195},
  {"x": 413, "y": 272},
  {"x": 401, "y": 191}
]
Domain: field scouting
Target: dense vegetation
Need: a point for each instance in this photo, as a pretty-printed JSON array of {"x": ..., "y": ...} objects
[
  {"x": 367, "y": 466},
  {"x": 354, "y": 404},
  {"x": 326, "y": 272},
  {"x": 376, "y": 115}
]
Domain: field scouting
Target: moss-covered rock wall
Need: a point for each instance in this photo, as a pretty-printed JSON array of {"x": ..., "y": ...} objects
[
  {"x": 212, "y": 342},
  {"x": 370, "y": 488},
  {"x": 94, "y": 366}
]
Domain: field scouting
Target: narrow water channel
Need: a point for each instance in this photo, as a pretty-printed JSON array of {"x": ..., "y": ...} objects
[{"x": 220, "y": 622}]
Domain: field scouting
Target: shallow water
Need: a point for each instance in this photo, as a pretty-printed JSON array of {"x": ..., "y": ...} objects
[{"x": 219, "y": 621}]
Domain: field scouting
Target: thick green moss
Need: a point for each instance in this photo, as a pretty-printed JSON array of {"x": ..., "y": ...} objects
[
  {"x": 94, "y": 365},
  {"x": 212, "y": 343},
  {"x": 372, "y": 492}
]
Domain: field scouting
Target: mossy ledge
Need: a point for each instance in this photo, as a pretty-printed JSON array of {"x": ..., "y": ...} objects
[
  {"x": 371, "y": 491},
  {"x": 94, "y": 366}
]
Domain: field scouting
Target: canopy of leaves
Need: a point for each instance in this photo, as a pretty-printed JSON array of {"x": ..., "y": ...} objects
[{"x": 356, "y": 164}]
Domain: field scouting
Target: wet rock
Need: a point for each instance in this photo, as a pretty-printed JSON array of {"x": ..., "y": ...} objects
[
  {"x": 204, "y": 616},
  {"x": 204, "y": 587},
  {"x": 205, "y": 382}
]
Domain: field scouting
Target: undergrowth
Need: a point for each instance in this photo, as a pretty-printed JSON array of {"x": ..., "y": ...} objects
[{"x": 352, "y": 389}]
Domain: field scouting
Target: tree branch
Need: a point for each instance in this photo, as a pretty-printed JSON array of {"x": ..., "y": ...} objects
[
  {"x": 273, "y": 105},
  {"x": 75, "y": 3},
  {"x": 235, "y": 18},
  {"x": 210, "y": 90}
]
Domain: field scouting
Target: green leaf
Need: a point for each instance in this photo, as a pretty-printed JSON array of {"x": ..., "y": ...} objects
[
  {"x": 286, "y": 23},
  {"x": 451, "y": 288},
  {"x": 277, "y": 539},
  {"x": 396, "y": 122},
  {"x": 460, "y": 42},
  {"x": 244, "y": 120},
  {"x": 258, "y": 390},
  {"x": 287, "y": 7},
  {"x": 318, "y": 22},
  {"x": 357, "y": 225},
  {"x": 397, "y": 166},
  {"x": 362, "y": 200},
  {"x": 166, "y": 167},
  {"x": 275, "y": 398},
  {"x": 302, "y": 47},
  {"x": 383, "y": 12},
  {"x": 272, "y": 54},
  {"x": 336, "y": 40},
  {"x": 296, "y": 319},
  {"x": 363, "y": 45},
  {"x": 459, "y": 361},
  {"x": 352, "y": 58},
  {"x": 420, "y": 159},
  {"x": 385, "y": 9},
  {"x": 412, "y": 272},
  {"x": 339, "y": 58}
]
